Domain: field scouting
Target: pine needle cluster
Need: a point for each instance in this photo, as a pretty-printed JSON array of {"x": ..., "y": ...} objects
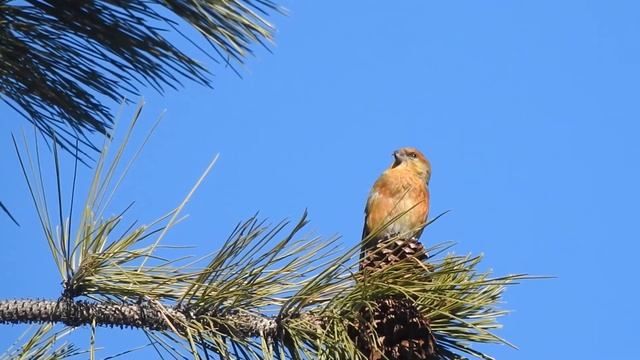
[{"x": 59, "y": 60}]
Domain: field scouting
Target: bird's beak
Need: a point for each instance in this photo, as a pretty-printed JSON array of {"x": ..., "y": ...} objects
[{"x": 396, "y": 159}]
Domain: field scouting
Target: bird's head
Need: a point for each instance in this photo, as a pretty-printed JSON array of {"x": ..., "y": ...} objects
[{"x": 413, "y": 159}]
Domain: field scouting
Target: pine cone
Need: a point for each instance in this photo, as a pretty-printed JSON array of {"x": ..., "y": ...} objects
[
  {"x": 402, "y": 331},
  {"x": 387, "y": 252}
]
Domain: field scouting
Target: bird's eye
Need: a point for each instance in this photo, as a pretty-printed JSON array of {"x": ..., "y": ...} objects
[{"x": 413, "y": 155}]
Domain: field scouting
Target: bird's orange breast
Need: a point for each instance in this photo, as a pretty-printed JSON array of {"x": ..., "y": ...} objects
[{"x": 398, "y": 191}]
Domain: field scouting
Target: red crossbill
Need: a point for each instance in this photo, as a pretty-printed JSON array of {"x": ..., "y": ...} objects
[{"x": 400, "y": 193}]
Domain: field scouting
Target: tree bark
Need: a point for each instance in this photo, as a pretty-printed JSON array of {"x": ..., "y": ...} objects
[{"x": 143, "y": 316}]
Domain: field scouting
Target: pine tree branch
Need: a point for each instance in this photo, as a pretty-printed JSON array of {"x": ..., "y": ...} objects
[
  {"x": 145, "y": 315},
  {"x": 267, "y": 293}
]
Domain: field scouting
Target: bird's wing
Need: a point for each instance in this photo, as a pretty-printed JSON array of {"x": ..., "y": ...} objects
[
  {"x": 379, "y": 204},
  {"x": 372, "y": 202},
  {"x": 365, "y": 228},
  {"x": 365, "y": 231}
]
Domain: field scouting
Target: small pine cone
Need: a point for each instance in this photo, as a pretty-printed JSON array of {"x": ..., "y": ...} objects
[
  {"x": 402, "y": 332},
  {"x": 386, "y": 253}
]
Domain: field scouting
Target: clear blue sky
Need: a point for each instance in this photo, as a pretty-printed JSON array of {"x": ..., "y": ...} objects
[{"x": 528, "y": 111}]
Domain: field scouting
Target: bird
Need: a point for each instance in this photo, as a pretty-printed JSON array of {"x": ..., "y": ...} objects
[{"x": 398, "y": 203}]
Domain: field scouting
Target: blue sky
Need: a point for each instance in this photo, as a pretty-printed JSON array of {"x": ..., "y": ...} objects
[{"x": 528, "y": 112}]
